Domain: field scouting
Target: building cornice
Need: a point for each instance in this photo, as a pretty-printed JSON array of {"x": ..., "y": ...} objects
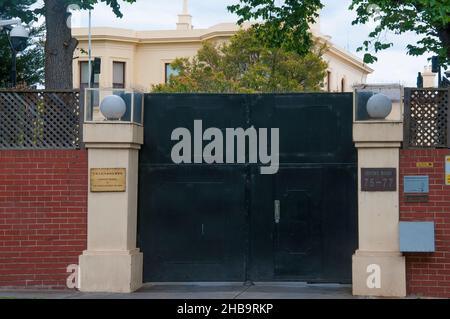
[
  {"x": 343, "y": 54},
  {"x": 349, "y": 58},
  {"x": 224, "y": 30},
  {"x": 162, "y": 36}
]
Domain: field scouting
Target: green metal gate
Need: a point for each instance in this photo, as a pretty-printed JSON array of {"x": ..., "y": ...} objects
[{"x": 228, "y": 222}]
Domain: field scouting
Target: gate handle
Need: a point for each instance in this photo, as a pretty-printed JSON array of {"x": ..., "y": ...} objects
[{"x": 277, "y": 207}]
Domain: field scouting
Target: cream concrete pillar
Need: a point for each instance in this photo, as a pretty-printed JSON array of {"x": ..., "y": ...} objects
[
  {"x": 378, "y": 265},
  {"x": 429, "y": 78},
  {"x": 112, "y": 263}
]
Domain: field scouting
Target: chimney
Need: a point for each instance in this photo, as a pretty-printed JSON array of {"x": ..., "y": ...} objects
[
  {"x": 315, "y": 28},
  {"x": 185, "y": 19},
  {"x": 429, "y": 78}
]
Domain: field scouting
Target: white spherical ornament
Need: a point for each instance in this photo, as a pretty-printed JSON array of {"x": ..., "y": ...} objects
[
  {"x": 379, "y": 106},
  {"x": 113, "y": 107}
]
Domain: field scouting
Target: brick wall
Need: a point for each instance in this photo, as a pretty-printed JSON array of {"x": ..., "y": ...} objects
[
  {"x": 43, "y": 216},
  {"x": 428, "y": 274}
]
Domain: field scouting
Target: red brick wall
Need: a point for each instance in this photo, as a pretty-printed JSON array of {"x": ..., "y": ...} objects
[
  {"x": 43, "y": 216},
  {"x": 428, "y": 274}
]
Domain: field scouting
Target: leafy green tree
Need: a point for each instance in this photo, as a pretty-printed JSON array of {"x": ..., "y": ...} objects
[
  {"x": 59, "y": 44},
  {"x": 16, "y": 8},
  {"x": 430, "y": 19},
  {"x": 245, "y": 65},
  {"x": 286, "y": 23}
]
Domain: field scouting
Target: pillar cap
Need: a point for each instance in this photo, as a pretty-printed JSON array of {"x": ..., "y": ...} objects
[
  {"x": 113, "y": 135},
  {"x": 378, "y": 132}
]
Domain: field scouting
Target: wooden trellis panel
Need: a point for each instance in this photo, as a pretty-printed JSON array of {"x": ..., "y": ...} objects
[
  {"x": 426, "y": 118},
  {"x": 40, "y": 120}
]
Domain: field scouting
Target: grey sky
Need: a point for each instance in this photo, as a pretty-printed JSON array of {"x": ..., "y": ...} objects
[{"x": 394, "y": 66}]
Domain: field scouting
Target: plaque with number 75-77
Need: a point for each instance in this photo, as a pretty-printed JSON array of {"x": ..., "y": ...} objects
[{"x": 378, "y": 179}]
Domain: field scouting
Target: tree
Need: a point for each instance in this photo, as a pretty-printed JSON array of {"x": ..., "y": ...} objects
[
  {"x": 287, "y": 21},
  {"x": 245, "y": 65},
  {"x": 430, "y": 19},
  {"x": 59, "y": 44},
  {"x": 285, "y": 25},
  {"x": 17, "y": 8}
]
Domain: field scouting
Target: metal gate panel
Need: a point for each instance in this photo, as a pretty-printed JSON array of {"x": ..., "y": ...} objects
[
  {"x": 316, "y": 234},
  {"x": 166, "y": 112},
  {"x": 194, "y": 224},
  {"x": 314, "y": 127}
]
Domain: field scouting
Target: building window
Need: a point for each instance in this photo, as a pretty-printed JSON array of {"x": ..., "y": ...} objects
[
  {"x": 169, "y": 71},
  {"x": 328, "y": 81},
  {"x": 343, "y": 85},
  {"x": 84, "y": 76},
  {"x": 119, "y": 75},
  {"x": 84, "y": 80}
]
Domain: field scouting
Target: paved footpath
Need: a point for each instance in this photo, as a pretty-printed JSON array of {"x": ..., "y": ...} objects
[{"x": 201, "y": 291}]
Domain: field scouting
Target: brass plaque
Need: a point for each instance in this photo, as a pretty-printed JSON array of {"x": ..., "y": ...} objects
[
  {"x": 108, "y": 180},
  {"x": 424, "y": 164}
]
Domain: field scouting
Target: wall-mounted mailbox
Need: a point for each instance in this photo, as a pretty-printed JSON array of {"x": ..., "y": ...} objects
[
  {"x": 417, "y": 237},
  {"x": 416, "y": 184}
]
